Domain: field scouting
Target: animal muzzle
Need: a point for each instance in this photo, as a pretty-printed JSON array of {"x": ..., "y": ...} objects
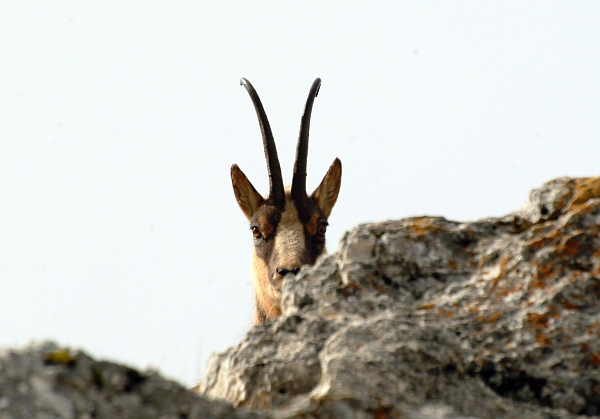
[{"x": 277, "y": 278}]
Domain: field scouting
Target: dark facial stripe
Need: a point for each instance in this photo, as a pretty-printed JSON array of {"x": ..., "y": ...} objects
[{"x": 288, "y": 228}]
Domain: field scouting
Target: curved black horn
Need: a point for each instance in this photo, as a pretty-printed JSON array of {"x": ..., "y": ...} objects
[
  {"x": 299, "y": 179},
  {"x": 276, "y": 191}
]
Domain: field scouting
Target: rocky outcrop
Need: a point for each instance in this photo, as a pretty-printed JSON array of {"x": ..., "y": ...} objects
[
  {"x": 43, "y": 381},
  {"x": 419, "y": 318},
  {"x": 429, "y": 318}
]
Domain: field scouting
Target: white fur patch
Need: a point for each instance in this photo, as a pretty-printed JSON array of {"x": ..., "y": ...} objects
[{"x": 290, "y": 246}]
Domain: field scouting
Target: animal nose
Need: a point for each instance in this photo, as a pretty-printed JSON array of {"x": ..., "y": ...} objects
[{"x": 285, "y": 271}]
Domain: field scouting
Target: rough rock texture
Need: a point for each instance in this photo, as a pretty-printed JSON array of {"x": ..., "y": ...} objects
[
  {"x": 420, "y": 318},
  {"x": 43, "y": 381},
  {"x": 429, "y": 318}
]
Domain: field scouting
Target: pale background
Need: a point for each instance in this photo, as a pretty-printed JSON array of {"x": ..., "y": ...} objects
[{"x": 119, "y": 121}]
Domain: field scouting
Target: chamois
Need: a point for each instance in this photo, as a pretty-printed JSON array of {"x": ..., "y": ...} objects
[{"x": 288, "y": 226}]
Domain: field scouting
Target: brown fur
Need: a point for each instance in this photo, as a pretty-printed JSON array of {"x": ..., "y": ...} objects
[
  {"x": 312, "y": 224},
  {"x": 247, "y": 198},
  {"x": 267, "y": 298},
  {"x": 288, "y": 231},
  {"x": 327, "y": 192},
  {"x": 287, "y": 240}
]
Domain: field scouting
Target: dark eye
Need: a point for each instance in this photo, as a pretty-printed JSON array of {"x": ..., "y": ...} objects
[
  {"x": 256, "y": 232},
  {"x": 322, "y": 229}
]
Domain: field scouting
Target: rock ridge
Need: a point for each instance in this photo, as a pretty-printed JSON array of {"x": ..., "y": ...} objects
[
  {"x": 45, "y": 381},
  {"x": 430, "y": 318},
  {"x": 420, "y": 318}
]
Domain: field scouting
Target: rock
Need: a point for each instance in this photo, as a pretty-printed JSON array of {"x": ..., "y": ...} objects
[
  {"x": 429, "y": 318},
  {"x": 421, "y": 318},
  {"x": 47, "y": 382}
]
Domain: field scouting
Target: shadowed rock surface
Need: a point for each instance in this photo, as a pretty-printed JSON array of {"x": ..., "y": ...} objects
[
  {"x": 43, "y": 381},
  {"x": 429, "y": 318}
]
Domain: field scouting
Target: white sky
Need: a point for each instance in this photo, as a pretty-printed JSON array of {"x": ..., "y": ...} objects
[{"x": 119, "y": 121}]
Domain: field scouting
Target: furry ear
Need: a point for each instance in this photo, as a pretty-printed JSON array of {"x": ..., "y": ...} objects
[
  {"x": 327, "y": 192},
  {"x": 247, "y": 198}
]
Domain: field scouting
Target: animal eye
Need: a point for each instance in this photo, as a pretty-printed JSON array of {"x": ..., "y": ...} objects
[
  {"x": 322, "y": 229},
  {"x": 256, "y": 232}
]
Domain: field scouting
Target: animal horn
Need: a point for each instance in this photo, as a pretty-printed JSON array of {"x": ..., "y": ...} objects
[
  {"x": 299, "y": 179},
  {"x": 276, "y": 191}
]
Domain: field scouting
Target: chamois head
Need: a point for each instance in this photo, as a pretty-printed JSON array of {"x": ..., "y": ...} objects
[{"x": 288, "y": 226}]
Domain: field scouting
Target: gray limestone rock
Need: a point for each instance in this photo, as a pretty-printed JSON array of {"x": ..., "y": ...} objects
[
  {"x": 420, "y": 318},
  {"x": 43, "y": 381},
  {"x": 428, "y": 318}
]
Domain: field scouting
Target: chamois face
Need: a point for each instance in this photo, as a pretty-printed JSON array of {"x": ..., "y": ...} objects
[
  {"x": 285, "y": 236},
  {"x": 288, "y": 227}
]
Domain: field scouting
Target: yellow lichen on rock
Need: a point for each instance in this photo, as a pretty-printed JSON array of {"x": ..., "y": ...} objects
[
  {"x": 585, "y": 188},
  {"x": 60, "y": 357}
]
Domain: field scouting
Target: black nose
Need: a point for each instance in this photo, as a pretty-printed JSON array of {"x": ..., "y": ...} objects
[{"x": 284, "y": 271}]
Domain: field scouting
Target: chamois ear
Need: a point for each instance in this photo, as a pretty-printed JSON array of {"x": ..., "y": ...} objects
[
  {"x": 247, "y": 198},
  {"x": 327, "y": 192}
]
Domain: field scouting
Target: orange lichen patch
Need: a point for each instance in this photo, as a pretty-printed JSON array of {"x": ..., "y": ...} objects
[
  {"x": 570, "y": 245},
  {"x": 525, "y": 304},
  {"x": 479, "y": 362},
  {"x": 501, "y": 274},
  {"x": 445, "y": 313},
  {"x": 350, "y": 288},
  {"x": 473, "y": 309},
  {"x": 426, "y": 306},
  {"x": 585, "y": 188},
  {"x": 493, "y": 317},
  {"x": 584, "y": 347},
  {"x": 592, "y": 327},
  {"x": 582, "y": 209},
  {"x": 377, "y": 287},
  {"x": 542, "y": 238},
  {"x": 452, "y": 264},
  {"x": 552, "y": 312},
  {"x": 386, "y": 413},
  {"x": 470, "y": 234},
  {"x": 490, "y": 318},
  {"x": 596, "y": 269},
  {"x": 517, "y": 287},
  {"x": 595, "y": 358},
  {"x": 537, "y": 320},
  {"x": 538, "y": 243},
  {"x": 538, "y": 283},
  {"x": 542, "y": 339},
  {"x": 545, "y": 269},
  {"x": 423, "y": 225},
  {"x": 543, "y": 272},
  {"x": 569, "y": 305}
]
